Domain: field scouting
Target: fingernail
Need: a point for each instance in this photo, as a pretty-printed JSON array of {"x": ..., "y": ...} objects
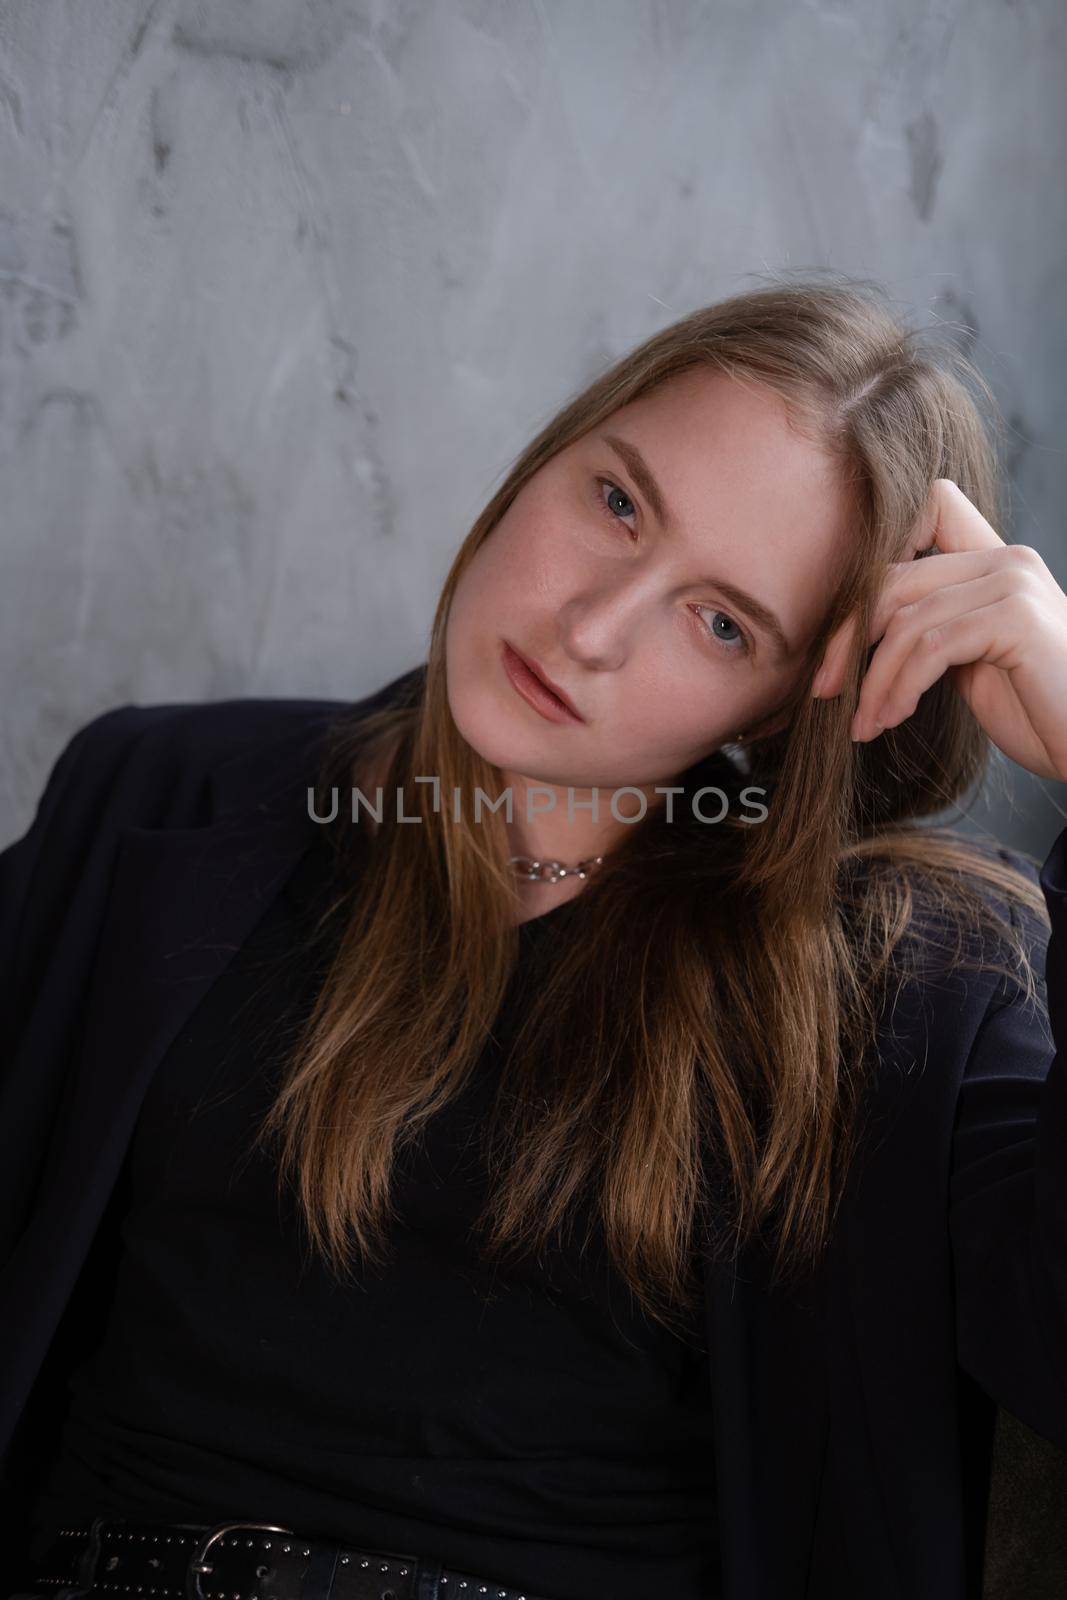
[
  {"x": 817, "y": 685},
  {"x": 866, "y": 727}
]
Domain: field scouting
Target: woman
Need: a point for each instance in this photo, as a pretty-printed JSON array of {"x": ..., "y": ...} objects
[{"x": 312, "y": 1088}]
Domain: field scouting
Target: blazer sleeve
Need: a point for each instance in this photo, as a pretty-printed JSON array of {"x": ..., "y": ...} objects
[
  {"x": 53, "y": 888},
  {"x": 1008, "y": 1184},
  {"x": 37, "y": 868},
  {"x": 39, "y": 871}
]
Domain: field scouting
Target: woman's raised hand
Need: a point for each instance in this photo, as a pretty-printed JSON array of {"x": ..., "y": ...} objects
[{"x": 989, "y": 614}]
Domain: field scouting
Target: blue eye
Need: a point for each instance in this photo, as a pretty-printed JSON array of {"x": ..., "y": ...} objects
[
  {"x": 606, "y": 483},
  {"x": 738, "y": 645}
]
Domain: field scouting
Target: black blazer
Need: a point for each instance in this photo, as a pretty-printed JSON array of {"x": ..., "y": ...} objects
[{"x": 853, "y": 1413}]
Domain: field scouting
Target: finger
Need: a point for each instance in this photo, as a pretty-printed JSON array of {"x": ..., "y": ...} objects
[
  {"x": 829, "y": 677},
  {"x": 952, "y": 522},
  {"x": 922, "y": 642},
  {"x": 949, "y": 524},
  {"x": 830, "y": 673},
  {"x": 911, "y": 581}
]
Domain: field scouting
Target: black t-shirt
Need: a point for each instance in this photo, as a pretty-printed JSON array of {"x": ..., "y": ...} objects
[{"x": 530, "y": 1425}]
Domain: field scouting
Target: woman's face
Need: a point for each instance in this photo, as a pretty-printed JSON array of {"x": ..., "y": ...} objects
[{"x": 671, "y": 626}]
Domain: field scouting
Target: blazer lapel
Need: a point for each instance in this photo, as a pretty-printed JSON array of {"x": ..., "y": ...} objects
[
  {"x": 900, "y": 1297},
  {"x": 769, "y": 1392}
]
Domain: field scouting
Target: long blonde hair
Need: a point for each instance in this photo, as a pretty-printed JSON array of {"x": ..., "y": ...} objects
[{"x": 694, "y": 1057}]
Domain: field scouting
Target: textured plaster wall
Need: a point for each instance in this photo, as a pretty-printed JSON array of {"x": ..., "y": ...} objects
[{"x": 285, "y": 286}]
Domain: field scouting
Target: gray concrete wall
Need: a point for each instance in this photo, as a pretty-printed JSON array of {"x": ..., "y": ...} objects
[{"x": 284, "y": 286}]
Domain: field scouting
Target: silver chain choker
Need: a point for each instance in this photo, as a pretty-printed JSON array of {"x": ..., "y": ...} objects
[{"x": 529, "y": 870}]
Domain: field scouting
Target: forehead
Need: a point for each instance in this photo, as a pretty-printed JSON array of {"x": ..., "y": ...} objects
[{"x": 752, "y": 495}]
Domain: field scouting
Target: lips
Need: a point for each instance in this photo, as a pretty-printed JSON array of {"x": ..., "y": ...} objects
[
  {"x": 543, "y": 679},
  {"x": 538, "y": 672}
]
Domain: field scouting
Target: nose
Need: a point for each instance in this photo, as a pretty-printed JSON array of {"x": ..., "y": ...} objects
[{"x": 596, "y": 626}]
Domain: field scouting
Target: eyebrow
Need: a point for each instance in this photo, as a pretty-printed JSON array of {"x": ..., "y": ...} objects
[{"x": 645, "y": 480}]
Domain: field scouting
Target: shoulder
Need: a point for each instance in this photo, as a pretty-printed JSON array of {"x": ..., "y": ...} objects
[
  {"x": 973, "y": 933},
  {"x": 204, "y": 730},
  {"x": 172, "y": 749},
  {"x": 174, "y": 763},
  {"x": 976, "y": 887},
  {"x": 1022, "y": 900},
  {"x": 207, "y": 733}
]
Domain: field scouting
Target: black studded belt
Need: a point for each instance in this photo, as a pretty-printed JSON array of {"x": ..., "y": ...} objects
[{"x": 114, "y": 1558}]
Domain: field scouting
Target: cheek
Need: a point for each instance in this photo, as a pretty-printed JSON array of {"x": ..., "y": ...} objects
[
  {"x": 496, "y": 566},
  {"x": 669, "y": 713},
  {"x": 524, "y": 566},
  {"x": 491, "y": 599},
  {"x": 479, "y": 597}
]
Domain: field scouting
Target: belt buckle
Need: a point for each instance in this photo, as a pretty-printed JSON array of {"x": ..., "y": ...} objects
[{"x": 196, "y": 1564}]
